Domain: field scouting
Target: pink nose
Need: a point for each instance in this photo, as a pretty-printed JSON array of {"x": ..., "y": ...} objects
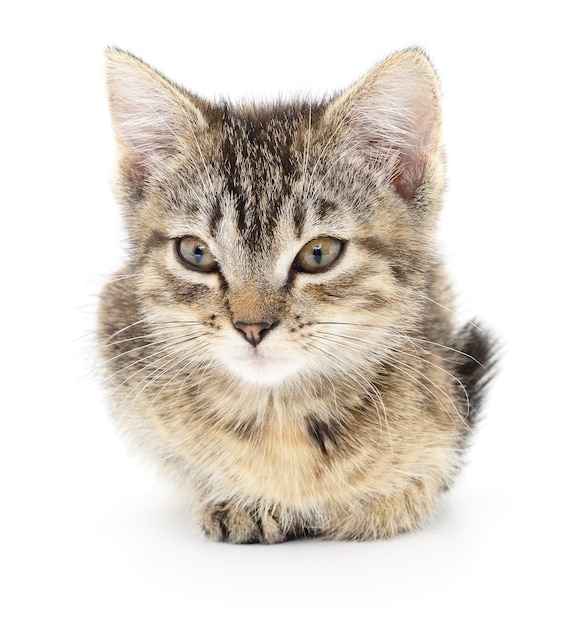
[{"x": 254, "y": 332}]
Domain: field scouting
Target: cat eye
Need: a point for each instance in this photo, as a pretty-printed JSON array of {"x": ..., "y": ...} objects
[
  {"x": 318, "y": 255},
  {"x": 195, "y": 254}
]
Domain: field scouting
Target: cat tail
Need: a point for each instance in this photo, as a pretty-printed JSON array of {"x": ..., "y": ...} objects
[{"x": 477, "y": 366}]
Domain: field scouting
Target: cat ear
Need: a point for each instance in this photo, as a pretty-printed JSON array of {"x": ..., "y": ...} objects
[
  {"x": 391, "y": 120},
  {"x": 152, "y": 119}
]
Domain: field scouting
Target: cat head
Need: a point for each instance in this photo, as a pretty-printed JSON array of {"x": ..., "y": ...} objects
[{"x": 271, "y": 242}]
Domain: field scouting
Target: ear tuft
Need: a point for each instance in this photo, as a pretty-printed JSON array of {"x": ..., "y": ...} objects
[{"x": 392, "y": 119}]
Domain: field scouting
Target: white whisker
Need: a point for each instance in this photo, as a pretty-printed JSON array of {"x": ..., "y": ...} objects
[{"x": 385, "y": 356}]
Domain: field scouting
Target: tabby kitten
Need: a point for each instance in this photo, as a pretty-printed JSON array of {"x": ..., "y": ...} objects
[{"x": 281, "y": 339}]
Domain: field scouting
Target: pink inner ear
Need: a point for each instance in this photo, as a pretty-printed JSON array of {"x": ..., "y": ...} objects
[
  {"x": 147, "y": 150},
  {"x": 408, "y": 173},
  {"x": 394, "y": 121},
  {"x": 405, "y": 163},
  {"x": 395, "y": 140},
  {"x": 135, "y": 169},
  {"x": 150, "y": 117}
]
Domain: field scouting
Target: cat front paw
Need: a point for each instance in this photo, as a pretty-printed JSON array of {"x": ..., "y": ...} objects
[{"x": 233, "y": 523}]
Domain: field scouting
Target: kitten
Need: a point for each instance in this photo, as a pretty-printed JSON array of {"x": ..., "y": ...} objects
[{"x": 281, "y": 339}]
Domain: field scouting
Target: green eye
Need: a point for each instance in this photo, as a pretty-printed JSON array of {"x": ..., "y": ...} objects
[
  {"x": 318, "y": 255},
  {"x": 195, "y": 254}
]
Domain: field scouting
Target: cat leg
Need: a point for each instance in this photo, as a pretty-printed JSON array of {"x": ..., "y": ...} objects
[
  {"x": 236, "y": 523},
  {"x": 382, "y": 516}
]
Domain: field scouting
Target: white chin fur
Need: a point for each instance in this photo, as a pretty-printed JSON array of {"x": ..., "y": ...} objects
[{"x": 258, "y": 367}]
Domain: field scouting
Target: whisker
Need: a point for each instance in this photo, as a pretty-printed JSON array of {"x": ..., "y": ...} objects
[
  {"x": 400, "y": 365},
  {"x": 150, "y": 374},
  {"x": 386, "y": 357},
  {"x": 343, "y": 367},
  {"x": 168, "y": 350},
  {"x": 408, "y": 338}
]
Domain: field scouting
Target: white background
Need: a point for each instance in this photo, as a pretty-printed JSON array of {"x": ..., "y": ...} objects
[{"x": 88, "y": 534}]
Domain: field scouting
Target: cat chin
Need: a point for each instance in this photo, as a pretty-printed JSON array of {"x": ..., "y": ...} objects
[{"x": 263, "y": 369}]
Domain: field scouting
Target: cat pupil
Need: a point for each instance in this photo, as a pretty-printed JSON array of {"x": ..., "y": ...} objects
[
  {"x": 198, "y": 254},
  {"x": 317, "y": 253}
]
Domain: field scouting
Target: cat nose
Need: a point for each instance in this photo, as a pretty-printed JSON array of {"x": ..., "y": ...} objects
[{"x": 254, "y": 332}]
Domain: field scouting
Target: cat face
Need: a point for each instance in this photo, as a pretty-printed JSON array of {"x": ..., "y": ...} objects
[{"x": 280, "y": 242}]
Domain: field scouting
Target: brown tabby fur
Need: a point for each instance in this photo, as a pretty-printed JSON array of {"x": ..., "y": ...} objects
[{"x": 349, "y": 418}]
